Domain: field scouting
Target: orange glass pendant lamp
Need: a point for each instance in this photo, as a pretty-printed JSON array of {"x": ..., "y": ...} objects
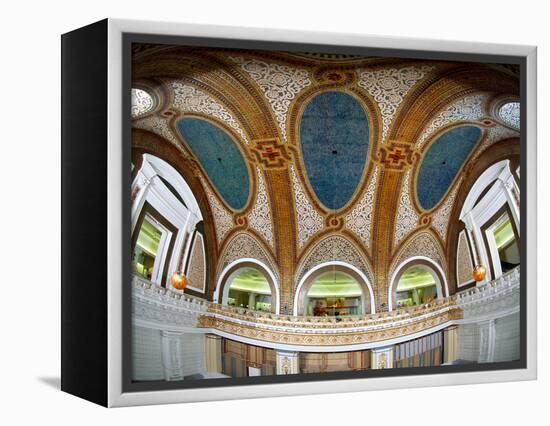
[
  {"x": 479, "y": 273},
  {"x": 179, "y": 281}
]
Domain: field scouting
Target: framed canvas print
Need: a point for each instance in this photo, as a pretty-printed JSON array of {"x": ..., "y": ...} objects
[{"x": 258, "y": 213}]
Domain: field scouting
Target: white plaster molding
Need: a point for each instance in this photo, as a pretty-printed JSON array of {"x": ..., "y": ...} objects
[
  {"x": 345, "y": 265},
  {"x": 442, "y": 288},
  {"x": 265, "y": 268}
]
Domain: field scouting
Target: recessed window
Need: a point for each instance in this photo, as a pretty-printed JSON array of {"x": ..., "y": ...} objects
[
  {"x": 250, "y": 290},
  {"x": 507, "y": 244},
  {"x": 334, "y": 293},
  {"x": 509, "y": 113},
  {"x": 416, "y": 287},
  {"x": 142, "y": 102},
  {"x": 146, "y": 249}
]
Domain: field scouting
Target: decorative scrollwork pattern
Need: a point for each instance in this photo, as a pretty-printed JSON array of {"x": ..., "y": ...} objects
[
  {"x": 495, "y": 134},
  {"x": 142, "y": 102},
  {"x": 260, "y": 216},
  {"x": 222, "y": 218},
  {"x": 388, "y": 87},
  {"x": 160, "y": 127},
  {"x": 440, "y": 219},
  {"x": 308, "y": 220},
  {"x": 243, "y": 246},
  {"x": 334, "y": 247},
  {"x": 464, "y": 263},
  {"x": 407, "y": 218},
  {"x": 197, "y": 265},
  {"x": 510, "y": 114},
  {"x": 469, "y": 108},
  {"x": 422, "y": 244},
  {"x": 279, "y": 83},
  {"x": 359, "y": 220},
  {"x": 189, "y": 99}
]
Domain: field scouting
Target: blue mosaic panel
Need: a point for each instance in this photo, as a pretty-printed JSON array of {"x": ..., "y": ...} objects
[
  {"x": 334, "y": 139},
  {"x": 442, "y": 162},
  {"x": 220, "y": 158}
]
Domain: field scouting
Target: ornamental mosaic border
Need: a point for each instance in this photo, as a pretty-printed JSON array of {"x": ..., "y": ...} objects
[
  {"x": 280, "y": 84},
  {"x": 359, "y": 220},
  {"x": 330, "y": 338},
  {"x": 159, "y": 126},
  {"x": 187, "y": 98},
  {"x": 389, "y": 87},
  {"x": 223, "y": 220},
  {"x": 330, "y": 248},
  {"x": 423, "y": 243},
  {"x": 259, "y": 217},
  {"x": 407, "y": 218},
  {"x": 244, "y": 245},
  {"x": 441, "y": 216},
  {"x": 467, "y": 108},
  {"x": 308, "y": 219}
]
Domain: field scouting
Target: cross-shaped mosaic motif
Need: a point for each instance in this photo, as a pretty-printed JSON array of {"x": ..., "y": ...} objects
[
  {"x": 271, "y": 154},
  {"x": 396, "y": 156}
]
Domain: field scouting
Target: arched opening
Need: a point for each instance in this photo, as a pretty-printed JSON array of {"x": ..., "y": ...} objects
[
  {"x": 334, "y": 289},
  {"x": 417, "y": 286},
  {"x": 491, "y": 217},
  {"x": 334, "y": 293},
  {"x": 249, "y": 289},
  {"x": 506, "y": 243},
  {"x": 249, "y": 285},
  {"x": 165, "y": 217},
  {"x": 417, "y": 281}
]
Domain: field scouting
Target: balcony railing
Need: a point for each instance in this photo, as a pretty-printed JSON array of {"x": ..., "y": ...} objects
[{"x": 181, "y": 309}]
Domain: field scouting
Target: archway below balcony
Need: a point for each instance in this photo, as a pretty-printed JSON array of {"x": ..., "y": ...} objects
[
  {"x": 333, "y": 289},
  {"x": 418, "y": 280},
  {"x": 248, "y": 284}
]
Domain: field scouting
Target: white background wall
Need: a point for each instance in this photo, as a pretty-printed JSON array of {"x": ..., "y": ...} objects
[{"x": 30, "y": 304}]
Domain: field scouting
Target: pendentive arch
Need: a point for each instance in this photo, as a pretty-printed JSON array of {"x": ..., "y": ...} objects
[
  {"x": 146, "y": 142},
  {"x": 486, "y": 179},
  {"x": 234, "y": 268},
  {"x": 446, "y": 85},
  {"x": 231, "y": 87},
  {"x": 505, "y": 149},
  {"x": 310, "y": 276},
  {"x": 170, "y": 174},
  {"x": 422, "y": 262}
]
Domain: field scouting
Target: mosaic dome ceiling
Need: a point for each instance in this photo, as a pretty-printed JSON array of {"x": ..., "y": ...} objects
[
  {"x": 293, "y": 149},
  {"x": 441, "y": 163},
  {"x": 220, "y": 158},
  {"x": 334, "y": 141}
]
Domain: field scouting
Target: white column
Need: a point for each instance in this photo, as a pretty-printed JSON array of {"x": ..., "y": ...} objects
[
  {"x": 381, "y": 358},
  {"x": 287, "y": 362},
  {"x": 487, "y": 338},
  {"x": 139, "y": 190},
  {"x": 512, "y": 196},
  {"x": 252, "y": 301},
  {"x": 450, "y": 344},
  {"x": 481, "y": 252},
  {"x": 213, "y": 353},
  {"x": 171, "y": 355}
]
